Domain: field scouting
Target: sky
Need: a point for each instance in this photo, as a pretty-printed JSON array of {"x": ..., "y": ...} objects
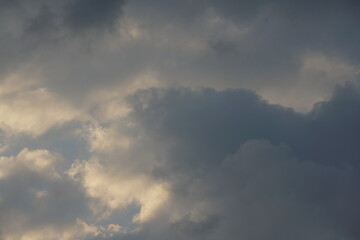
[{"x": 166, "y": 119}]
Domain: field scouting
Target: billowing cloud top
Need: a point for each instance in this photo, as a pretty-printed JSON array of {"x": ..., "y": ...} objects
[{"x": 175, "y": 120}]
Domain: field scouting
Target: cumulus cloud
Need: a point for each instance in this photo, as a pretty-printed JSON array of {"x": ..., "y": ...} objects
[
  {"x": 233, "y": 116},
  {"x": 114, "y": 189},
  {"x": 294, "y": 184}
]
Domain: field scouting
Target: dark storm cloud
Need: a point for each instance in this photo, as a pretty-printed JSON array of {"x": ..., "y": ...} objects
[
  {"x": 78, "y": 15},
  {"x": 81, "y": 15},
  {"x": 219, "y": 121},
  {"x": 42, "y": 24},
  {"x": 31, "y": 29},
  {"x": 316, "y": 24},
  {"x": 216, "y": 121},
  {"x": 300, "y": 182}
]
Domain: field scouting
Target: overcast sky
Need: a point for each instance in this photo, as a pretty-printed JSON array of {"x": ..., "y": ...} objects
[{"x": 168, "y": 119}]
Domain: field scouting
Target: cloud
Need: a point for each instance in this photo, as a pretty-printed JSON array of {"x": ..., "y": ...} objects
[
  {"x": 27, "y": 108},
  {"x": 37, "y": 201},
  {"x": 283, "y": 196},
  {"x": 159, "y": 119},
  {"x": 261, "y": 47},
  {"x": 114, "y": 189},
  {"x": 230, "y": 117},
  {"x": 81, "y": 15},
  {"x": 199, "y": 161},
  {"x": 30, "y": 31},
  {"x": 294, "y": 184}
]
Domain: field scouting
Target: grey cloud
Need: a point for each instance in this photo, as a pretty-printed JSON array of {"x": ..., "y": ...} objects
[
  {"x": 263, "y": 191},
  {"x": 275, "y": 196},
  {"x": 38, "y": 28},
  {"x": 62, "y": 205},
  {"x": 318, "y": 24},
  {"x": 81, "y": 15},
  {"x": 63, "y": 139},
  {"x": 182, "y": 42},
  {"x": 298, "y": 183},
  {"x": 236, "y": 166},
  {"x": 281, "y": 31},
  {"x": 186, "y": 226},
  {"x": 34, "y": 199},
  {"x": 228, "y": 118}
]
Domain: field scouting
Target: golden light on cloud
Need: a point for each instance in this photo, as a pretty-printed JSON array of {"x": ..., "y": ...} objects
[
  {"x": 118, "y": 188},
  {"x": 77, "y": 231},
  {"x": 106, "y": 140},
  {"x": 27, "y": 108},
  {"x": 41, "y": 161}
]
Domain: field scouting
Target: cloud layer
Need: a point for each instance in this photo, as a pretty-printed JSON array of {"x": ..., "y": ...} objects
[{"x": 125, "y": 120}]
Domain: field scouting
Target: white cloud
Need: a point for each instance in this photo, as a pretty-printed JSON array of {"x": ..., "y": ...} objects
[
  {"x": 115, "y": 187},
  {"x": 106, "y": 140},
  {"x": 40, "y": 161},
  {"x": 78, "y": 230},
  {"x": 27, "y": 108}
]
